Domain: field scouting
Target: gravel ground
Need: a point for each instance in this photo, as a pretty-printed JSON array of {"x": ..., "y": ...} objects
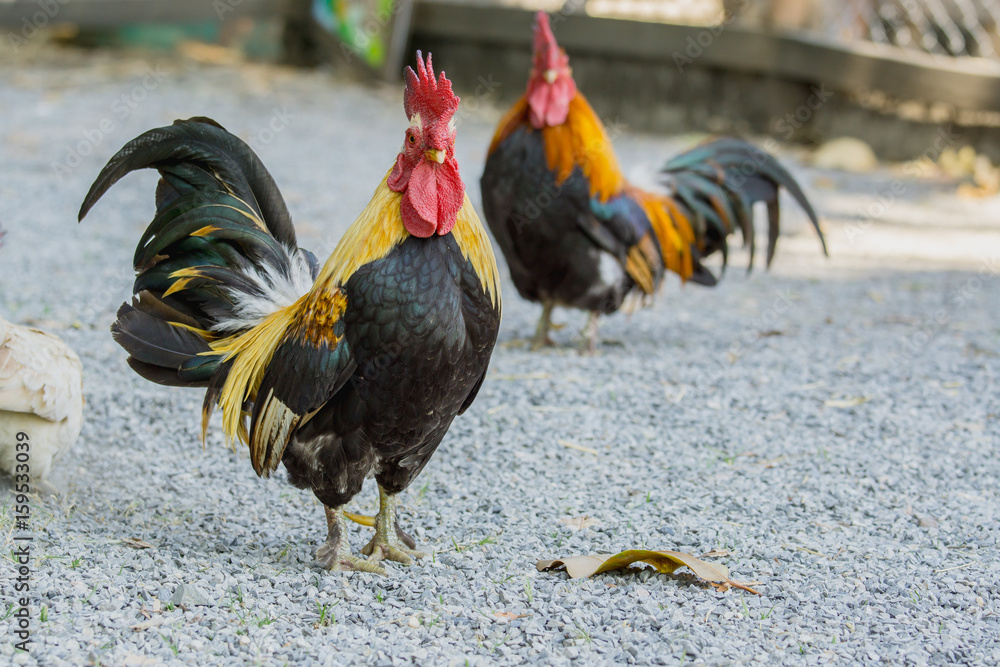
[{"x": 830, "y": 425}]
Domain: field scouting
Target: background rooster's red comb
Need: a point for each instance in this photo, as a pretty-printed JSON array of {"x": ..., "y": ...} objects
[
  {"x": 547, "y": 54},
  {"x": 425, "y": 94},
  {"x": 543, "y": 33}
]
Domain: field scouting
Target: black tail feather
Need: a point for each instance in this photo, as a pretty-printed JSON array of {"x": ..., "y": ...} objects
[
  {"x": 201, "y": 143},
  {"x": 155, "y": 341},
  {"x": 159, "y": 308},
  {"x": 718, "y": 182},
  {"x": 160, "y": 375},
  {"x": 221, "y": 236}
]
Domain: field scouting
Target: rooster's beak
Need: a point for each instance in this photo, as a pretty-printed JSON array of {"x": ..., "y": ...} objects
[
  {"x": 434, "y": 155},
  {"x": 550, "y": 75}
]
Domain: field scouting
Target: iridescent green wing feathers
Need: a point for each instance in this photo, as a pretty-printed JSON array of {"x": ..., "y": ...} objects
[{"x": 310, "y": 365}]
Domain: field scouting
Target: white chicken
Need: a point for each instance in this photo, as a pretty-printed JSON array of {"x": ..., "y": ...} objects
[{"x": 41, "y": 395}]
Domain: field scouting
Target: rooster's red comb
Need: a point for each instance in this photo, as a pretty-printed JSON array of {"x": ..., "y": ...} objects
[
  {"x": 547, "y": 54},
  {"x": 543, "y": 33},
  {"x": 426, "y": 95}
]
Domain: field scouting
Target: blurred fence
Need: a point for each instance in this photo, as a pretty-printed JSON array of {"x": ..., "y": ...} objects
[
  {"x": 40, "y": 14},
  {"x": 893, "y": 71},
  {"x": 944, "y": 27}
]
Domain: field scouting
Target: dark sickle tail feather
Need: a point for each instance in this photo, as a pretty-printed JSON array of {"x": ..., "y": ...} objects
[
  {"x": 221, "y": 237},
  {"x": 197, "y": 152},
  {"x": 718, "y": 182}
]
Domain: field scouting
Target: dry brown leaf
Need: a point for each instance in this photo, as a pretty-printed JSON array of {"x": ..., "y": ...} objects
[
  {"x": 846, "y": 402},
  {"x": 579, "y": 448},
  {"x": 806, "y": 387},
  {"x": 506, "y": 616},
  {"x": 663, "y": 561},
  {"x": 808, "y": 551},
  {"x": 575, "y": 523},
  {"x": 137, "y": 543},
  {"x": 151, "y": 623},
  {"x": 675, "y": 398}
]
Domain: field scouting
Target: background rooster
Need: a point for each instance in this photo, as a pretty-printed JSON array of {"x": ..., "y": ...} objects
[
  {"x": 354, "y": 368},
  {"x": 575, "y": 233},
  {"x": 41, "y": 395}
]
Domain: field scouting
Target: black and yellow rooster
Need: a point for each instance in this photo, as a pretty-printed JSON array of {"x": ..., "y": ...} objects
[
  {"x": 576, "y": 234},
  {"x": 340, "y": 371}
]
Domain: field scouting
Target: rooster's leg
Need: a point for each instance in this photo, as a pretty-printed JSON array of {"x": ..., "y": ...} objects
[
  {"x": 335, "y": 553},
  {"x": 588, "y": 344},
  {"x": 542, "y": 330},
  {"x": 390, "y": 542}
]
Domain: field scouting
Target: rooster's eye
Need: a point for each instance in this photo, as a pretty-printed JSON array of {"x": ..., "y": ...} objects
[{"x": 413, "y": 139}]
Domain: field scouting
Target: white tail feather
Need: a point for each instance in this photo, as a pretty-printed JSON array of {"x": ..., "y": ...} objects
[{"x": 277, "y": 291}]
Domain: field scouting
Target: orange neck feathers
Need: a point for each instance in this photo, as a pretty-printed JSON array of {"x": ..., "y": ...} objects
[{"x": 581, "y": 142}]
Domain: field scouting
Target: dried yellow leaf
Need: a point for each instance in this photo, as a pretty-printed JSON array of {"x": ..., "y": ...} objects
[
  {"x": 663, "y": 561},
  {"x": 846, "y": 402},
  {"x": 137, "y": 543}
]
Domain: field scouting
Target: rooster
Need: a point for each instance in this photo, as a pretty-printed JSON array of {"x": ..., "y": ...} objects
[
  {"x": 576, "y": 234},
  {"x": 41, "y": 402},
  {"x": 340, "y": 371}
]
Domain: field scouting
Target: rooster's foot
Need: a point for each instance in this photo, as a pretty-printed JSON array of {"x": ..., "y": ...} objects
[
  {"x": 541, "y": 338},
  {"x": 378, "y": 550},
  {"x": 588, "y": 342},
  {"x": 335, "y": 559},
  {"x": 390, "y": 542},
  {"x": 335, "y": 554}
]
